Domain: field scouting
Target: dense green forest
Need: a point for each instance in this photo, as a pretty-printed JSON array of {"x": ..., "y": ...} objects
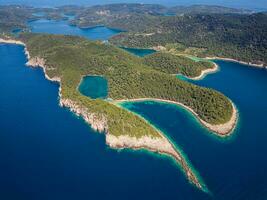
[
  {"x": 175, "y": 64},
  {"x": 13, "y": 17},
  {"x": 128, "y": 16},
  {"x": 128, "y": 76},
  {"x": 210, "y": 30},
  {"x": 242, "y": 37}
]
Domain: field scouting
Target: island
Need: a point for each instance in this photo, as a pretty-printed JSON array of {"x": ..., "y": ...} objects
[
  {"x": 186, "y": 40},
  {"x": 67, "y": 59},
  {"x": 203, "y": 31}
]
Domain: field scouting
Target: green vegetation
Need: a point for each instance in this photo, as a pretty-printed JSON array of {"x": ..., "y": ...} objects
[
  {"x": 138, "y": 16},
  {"x": 72, "y": 57},
  {"x": 174, "y": 64},
  {"x": 241, "y": 37},
  {"x": 201, "y": 30},
  {"x": 13, "y": 17}
]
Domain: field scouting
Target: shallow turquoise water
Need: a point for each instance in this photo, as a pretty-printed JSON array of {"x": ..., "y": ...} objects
[{"x": 94, "y": 87}]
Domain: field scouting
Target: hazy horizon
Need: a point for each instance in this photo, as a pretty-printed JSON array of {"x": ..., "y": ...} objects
[{"x": 247, "y": 4}]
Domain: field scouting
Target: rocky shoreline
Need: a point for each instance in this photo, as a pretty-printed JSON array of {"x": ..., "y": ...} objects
[
  {"x": 100, "y": 123},
  {"x": 222, "y": 130},
  {"x": 237, "y": 61},
  {"x": 158, "y": 145}
]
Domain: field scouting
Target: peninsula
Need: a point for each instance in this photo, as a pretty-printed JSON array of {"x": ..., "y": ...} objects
[{"x": 67, "y": 59}]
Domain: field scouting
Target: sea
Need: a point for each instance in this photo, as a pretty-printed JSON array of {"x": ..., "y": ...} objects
[{"x": 46, "y": 152}]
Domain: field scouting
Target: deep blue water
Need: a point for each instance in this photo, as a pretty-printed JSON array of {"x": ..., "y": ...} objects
[
  {"x": 48, "y": 153},
  {"x": 62, "y": 27},
  {"x": 234, "y": 168},
  {"x": 94, "y": 87}
]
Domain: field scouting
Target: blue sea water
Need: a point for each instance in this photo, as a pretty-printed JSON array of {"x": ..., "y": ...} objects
[
  {"x": 62, "y": 27},
  {"x": 94, "y": 33},
  {"x": 48, "y": 153},
  {"x": 94, "y": 87},
  {"x": 233, "y": 168}
]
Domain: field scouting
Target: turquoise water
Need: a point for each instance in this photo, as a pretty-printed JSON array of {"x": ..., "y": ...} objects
[
  {"x": 62, "y": 27},
  {"x": 139, "y": 52},
  {"x": 233, "y": 168},
  {"x": 94, "y": 87},
  {"x": 169, "y": 14},
  {"x": 48, "y": 153}
]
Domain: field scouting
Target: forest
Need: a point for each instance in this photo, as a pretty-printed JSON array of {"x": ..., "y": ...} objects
[{"x": 70, "y": 58}]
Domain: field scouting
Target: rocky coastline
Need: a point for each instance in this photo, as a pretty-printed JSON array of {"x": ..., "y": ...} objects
[
  {"x": 238, "y": 61},
  {"x": 100, "y": 123}
]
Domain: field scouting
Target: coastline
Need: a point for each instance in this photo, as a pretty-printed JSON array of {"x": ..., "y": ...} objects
[
  {"x": 222, "y": 130},
  {"x": 237, "y": 61},
  {"x": 161, "y": 145},
  {"x": 204, "y": 73},
  {"x": 98, "y": 123}
]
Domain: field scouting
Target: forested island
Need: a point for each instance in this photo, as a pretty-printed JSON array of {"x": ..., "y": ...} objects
[
  {"x": 178, "y": 34},
  {"x": 67, "y": 59},
  {"x": 203, "y": 31}
]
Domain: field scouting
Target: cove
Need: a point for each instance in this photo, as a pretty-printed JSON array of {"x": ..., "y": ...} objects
[
  {"x": 233, "y": 168},
  {"x": 95, "y": 33},
  {"x": 62, "y": 27},
  {"x": 139, "y": 52},
  {"x": 94, "y": 87},
  {"x": 48, "y": 153}
]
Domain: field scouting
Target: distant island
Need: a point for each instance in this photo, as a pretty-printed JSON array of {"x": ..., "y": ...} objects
[
  {"x": 180, "y": 38},
  {"x": 199, "y": 30}
]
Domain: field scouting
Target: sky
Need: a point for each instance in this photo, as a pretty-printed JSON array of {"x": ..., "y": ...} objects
[{"x": 250, "y": 4}]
